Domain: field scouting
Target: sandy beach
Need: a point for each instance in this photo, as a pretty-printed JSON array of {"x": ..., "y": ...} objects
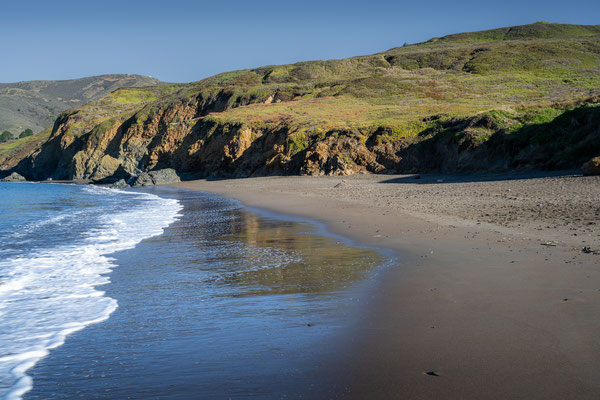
[{"x": 496, "y": 293}]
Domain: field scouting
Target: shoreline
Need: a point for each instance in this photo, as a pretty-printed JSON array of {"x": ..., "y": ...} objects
[
  {"x": 490, "y": 310},
  {"x": 194, "y": 312},
  {"x": 64, "y": 253}
]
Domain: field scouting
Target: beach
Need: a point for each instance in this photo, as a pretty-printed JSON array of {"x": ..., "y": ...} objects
[{"x": 495, "y": 294}]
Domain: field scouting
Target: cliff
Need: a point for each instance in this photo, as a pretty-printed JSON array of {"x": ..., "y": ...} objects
[{"x": 521, "y": 97}]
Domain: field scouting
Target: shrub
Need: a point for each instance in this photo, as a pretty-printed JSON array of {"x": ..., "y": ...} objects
[
  {"x": 6, "y": 136},
  {"x": 25, "y": 133}
]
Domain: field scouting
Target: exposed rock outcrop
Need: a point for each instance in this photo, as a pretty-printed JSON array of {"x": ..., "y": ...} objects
[
  {"x": 120, "y": 184},
  {"x": 591, "y": 167},
  {"x": 158, "y": 177},
  {"x": 14, "y": 177},
  {"x": 137, "y": 150}
]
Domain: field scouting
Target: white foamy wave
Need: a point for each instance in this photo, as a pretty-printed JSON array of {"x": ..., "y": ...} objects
[
  {"x": 45, "y": 297},
  {"x": 53, "y": 220}
]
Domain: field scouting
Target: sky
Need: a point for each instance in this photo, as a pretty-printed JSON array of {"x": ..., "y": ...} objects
[{"x": 184, "y": 41}]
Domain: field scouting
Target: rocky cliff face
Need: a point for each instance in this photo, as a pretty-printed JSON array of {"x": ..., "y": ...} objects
[{"x": 182, "y": 137}]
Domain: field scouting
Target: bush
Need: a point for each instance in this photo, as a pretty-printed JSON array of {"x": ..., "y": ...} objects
[
  {"x": 25, "y": 133},
  {"x": 6, "y": 136}
]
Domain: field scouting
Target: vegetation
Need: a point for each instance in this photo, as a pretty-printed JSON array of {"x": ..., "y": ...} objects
[
  {"x": 539, "y": 30},
  {"x": 25, "y": 133},
  {"x": 5, "y": 136},
  {"x": 535, "y": 65},
  {"x": 14, "y": 150}
]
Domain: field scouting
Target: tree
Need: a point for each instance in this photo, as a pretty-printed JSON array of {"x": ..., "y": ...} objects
[
  {"x": 6, "y": 136},
  {"x": 25, "y": 133}
]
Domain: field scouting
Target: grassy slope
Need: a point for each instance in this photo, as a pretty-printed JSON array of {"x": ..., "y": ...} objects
[
  {"x": 13, "y": 151},
  {"x": 117, "y": 105},
  {"x": 531, "y": 74},
  {"x": 397, "y": 88},
  {"x": 519, "y": 76}
]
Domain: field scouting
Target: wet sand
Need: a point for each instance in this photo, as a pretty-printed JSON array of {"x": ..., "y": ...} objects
[{"x": 493, "y": 295}]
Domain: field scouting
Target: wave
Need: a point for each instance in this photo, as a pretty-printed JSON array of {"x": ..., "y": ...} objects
[{"x": 49, "y": 295}]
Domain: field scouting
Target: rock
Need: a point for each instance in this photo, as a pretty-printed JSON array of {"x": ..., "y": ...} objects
[
  {"x": 158, "y": 177},
  {"x": 549, "y": 244},
  {"x": 591, "y": 167},
  {"x": 164, "y": 176},
  {"x": 14, "y": 177},
  {"x": 107, "y": 167},
  {"x": 588, "y": 250},
  {"x": 342, "y": 184},
  {"x": 143, "y": 179},
  {"x": 120, "y": 184}
]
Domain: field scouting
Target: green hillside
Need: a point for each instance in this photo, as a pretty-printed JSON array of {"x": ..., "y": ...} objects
[
  {"x": 491, "y": 99},
  {"x": 539, "y": 30}
]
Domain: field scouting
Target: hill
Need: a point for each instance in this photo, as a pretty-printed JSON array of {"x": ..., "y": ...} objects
[
  {"x": 36, "y": 104},
  {"x": 519, "y": 97}
]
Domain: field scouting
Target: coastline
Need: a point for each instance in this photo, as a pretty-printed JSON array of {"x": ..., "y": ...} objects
[
  {"x": 494, "y": 307},
  {"x": 225, "y": 303}
]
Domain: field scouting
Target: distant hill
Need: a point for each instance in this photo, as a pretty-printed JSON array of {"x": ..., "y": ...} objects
[
  {"x": 538, "y": 30},
  {"x": 517, "y": 97},
  {"x": 36, "y": 104}
]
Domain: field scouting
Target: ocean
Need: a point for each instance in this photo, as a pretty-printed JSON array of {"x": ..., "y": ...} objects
[{"x": 167, "y": 294}]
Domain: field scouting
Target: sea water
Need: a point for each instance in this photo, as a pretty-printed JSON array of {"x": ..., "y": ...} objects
[
  {"x": 55, "y": 246},
  {"x": 168, "y": 294}
]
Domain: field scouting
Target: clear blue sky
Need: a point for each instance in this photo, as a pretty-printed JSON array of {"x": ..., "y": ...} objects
[{"x": 182, "y": 41}]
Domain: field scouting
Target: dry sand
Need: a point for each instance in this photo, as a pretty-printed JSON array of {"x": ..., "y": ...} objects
[{"x": 492, "y": 291}]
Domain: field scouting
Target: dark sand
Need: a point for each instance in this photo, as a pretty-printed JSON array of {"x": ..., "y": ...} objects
[{"x": 493, "y": 293}]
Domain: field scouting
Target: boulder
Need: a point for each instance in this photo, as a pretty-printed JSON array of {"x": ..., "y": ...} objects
[
  {"x": 591, "y": 167},
  {"x": 158, "y": 177},
  {"x": 107, "y": 167},
  {"x": 14, "y": 177},
  {"x": 143, "y": 179},
  {"x": 120, "y": 184},
  {"x": 164, "y": 176}
]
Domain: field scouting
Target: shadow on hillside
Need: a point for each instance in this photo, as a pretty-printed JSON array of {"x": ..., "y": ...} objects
[{"x": 438, "y": 178}]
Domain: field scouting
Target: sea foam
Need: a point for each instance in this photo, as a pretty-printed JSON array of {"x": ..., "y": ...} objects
[{"x": 53, "y": 292}]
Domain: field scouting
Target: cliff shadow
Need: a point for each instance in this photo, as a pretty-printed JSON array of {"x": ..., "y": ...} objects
[{"x": 441, "y": 178}]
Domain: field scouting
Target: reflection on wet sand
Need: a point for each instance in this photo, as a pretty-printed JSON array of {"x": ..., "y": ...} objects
[
  {"x": 258, "y": 255},
  {"x": 309, "y": 262}
]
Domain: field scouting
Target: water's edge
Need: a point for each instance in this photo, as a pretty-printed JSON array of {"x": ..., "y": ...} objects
[
  {"x": 316, "y": 228},
  {"x": 84, "y": 267}
]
